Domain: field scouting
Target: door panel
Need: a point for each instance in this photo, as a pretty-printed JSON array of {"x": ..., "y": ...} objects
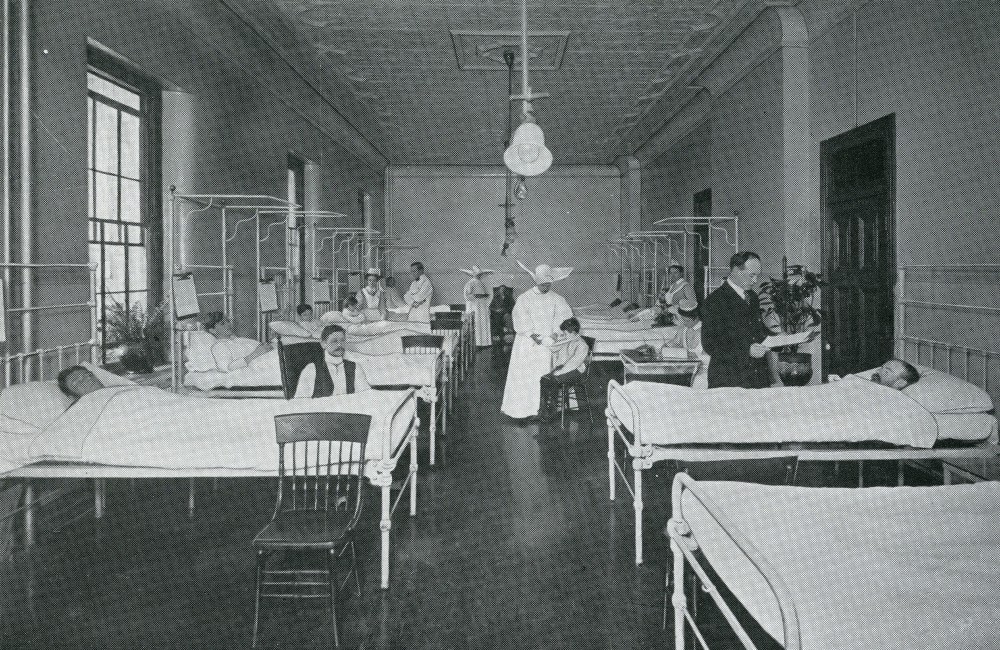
[{"x": 858, "y": 252}]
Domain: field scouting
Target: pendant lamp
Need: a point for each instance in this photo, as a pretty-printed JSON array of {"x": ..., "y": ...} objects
[{"x": 527, "y": 154}]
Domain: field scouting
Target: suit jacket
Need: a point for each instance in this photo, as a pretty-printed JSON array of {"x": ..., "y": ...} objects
[{"x": 730, "y": 326}]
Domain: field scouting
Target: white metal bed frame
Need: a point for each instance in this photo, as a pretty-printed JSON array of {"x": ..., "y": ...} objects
[
  {"x": 644, "y": 455},
  {"x": 683, "y": 546},
  {"x": 100, "y": 474},
  {"x": 220, "y": 205}
]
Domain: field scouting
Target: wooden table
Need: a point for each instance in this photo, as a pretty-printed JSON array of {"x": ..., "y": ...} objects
[{"x": 651, "y": 367}]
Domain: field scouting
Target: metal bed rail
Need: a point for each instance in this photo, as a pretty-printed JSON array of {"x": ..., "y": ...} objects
[{"x": 684, "y": 543}]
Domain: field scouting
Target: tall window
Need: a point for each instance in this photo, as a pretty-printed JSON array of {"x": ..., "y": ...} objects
[{"x": 119, "y": 163}]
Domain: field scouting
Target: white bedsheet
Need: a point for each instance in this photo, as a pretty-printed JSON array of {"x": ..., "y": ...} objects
[
  {"x": 611, "y": 341},
  {"x": 850, "y": 410},
  {"x": 617, "y": 324},
  {"x": 262, "y": 371},
  {"x": 888, "y": 568},
  {"x": 141, "y": 426},
  {"x": 392, "y": 342},
  {"x": 397, "y": 369}
]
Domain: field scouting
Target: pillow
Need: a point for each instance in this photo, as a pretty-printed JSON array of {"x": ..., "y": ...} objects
[
  {"x": 34, "y": 403},
  {"x": 332, "y": 317},
  {"x": 939, "y": 392},
  {"x": 288, "y": 328},
  {"x": 198, "y": 352}
]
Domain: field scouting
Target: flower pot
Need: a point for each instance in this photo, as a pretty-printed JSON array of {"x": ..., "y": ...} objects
[
  {"x": 136, "y": 358},
  {"x": 795, "y": 368}
]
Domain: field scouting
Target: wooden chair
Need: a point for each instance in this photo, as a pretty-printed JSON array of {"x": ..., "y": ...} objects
[
  {"x": 780, "y": 470},
  {"x": 321, "y": 460},
  {"x": 457, "y": 306},
  {"x": 430, "y": 344},
  {"x": 580, "y": 387},
  {"x": 293, "y": 358}
]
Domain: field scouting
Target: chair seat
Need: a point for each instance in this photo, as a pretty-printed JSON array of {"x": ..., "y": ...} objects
[{"x": 305, "y": 529}]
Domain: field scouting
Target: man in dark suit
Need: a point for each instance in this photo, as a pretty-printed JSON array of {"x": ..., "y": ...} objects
[
  {"x": 732, "y": 329},
  {"x": 337, "y": 375}
]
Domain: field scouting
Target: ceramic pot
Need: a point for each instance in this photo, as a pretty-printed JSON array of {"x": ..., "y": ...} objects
[{"x": 795, "y": 368}]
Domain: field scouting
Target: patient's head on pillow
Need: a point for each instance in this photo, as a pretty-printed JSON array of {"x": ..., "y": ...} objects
[
  {"x": 77, "y": 381},
  {"x": 896, "y": 373},
  {"x": 305, "y": 312}
]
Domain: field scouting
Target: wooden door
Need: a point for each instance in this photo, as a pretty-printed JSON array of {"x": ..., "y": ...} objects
[{"x": 858, "y": 189}]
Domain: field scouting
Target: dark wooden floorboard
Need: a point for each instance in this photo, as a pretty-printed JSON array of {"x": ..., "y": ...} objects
[{"x": 516, "y": 545}]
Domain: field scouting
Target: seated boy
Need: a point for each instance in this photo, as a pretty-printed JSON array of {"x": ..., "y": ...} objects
[{"x": 569, "y": 361}]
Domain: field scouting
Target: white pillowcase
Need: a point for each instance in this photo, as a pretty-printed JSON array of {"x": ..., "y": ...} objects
[
  {"x": 332, "y": 317},
  {"x": 941, "y": 393},
  {"x": 33, "y": 404}
]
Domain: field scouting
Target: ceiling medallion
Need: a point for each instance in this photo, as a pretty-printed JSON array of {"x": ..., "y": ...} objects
[{"x": 483, "y": 50}]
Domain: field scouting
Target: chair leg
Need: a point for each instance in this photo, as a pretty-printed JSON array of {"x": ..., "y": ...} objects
[
  {"x": 356, "y": 568},
  {"x": 586, "y": 400},
  {"x": 331, "y": 576},
  {"x": 563, "y": 404},
  {"x": 256, "y": 603}
]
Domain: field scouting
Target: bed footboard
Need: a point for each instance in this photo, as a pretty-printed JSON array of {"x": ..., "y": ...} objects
[
  {"x": 684, "y": 543},
  {"x": 641, "y": 457}
]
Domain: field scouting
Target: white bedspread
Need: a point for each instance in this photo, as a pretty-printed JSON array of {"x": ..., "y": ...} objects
[
  {"x": 617, "y": 324},
  {"x": 888, "y": 568},
  {"x": 141, "y": 426},
  {"x": 851, "y": 410}
]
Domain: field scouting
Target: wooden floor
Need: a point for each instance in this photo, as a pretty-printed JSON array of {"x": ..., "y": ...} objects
[{"x": 515, "y": 545}]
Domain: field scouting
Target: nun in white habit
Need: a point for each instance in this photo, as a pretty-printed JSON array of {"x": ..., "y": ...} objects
[
  {"x": 537, "y": 314},
  {"x": 477, "y": 302}
]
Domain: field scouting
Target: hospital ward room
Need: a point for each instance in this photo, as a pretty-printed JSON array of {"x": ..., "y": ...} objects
[{"x": 500, "y": 324}]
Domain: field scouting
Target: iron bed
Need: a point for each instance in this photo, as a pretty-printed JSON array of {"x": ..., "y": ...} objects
[
  {"x": 913, "y": 570},
  {"x": 397, "y": 436},
  {"x": 972, "y": 364}
]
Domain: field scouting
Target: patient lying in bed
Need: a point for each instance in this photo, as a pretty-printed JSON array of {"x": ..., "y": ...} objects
[{"x": 215, "y": 358}]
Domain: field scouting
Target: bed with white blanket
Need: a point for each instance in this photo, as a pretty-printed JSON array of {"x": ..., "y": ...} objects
[
  {"x": 140, "y": 431},
  {"x": 201, "y": 376},
  {"x": 854, "y": 419},
  {"x": 611, "y": 336},
  {"x": 900, "y": 568}
]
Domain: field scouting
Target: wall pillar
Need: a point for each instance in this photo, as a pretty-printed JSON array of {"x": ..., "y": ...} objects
[{"x": 630, "y": 217}]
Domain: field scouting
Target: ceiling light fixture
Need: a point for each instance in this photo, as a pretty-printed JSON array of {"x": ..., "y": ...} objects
[{"x": 527, "y": 154}]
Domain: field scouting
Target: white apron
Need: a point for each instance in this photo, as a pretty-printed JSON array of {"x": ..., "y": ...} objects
[
  {"x": 534, "y": 313},
  {"x": 480, "y": 308}
]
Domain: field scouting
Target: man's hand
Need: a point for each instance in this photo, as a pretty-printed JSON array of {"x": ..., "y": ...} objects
[
  {"x": 537, "y": 338},
  {"x": 757, "y": 351}
]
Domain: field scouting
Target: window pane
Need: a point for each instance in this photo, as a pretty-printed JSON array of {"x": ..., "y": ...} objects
[
  {"x": 106, "y": 139},
  {"x": 106, "y": 203},
  {"x": 112, "y": 90},
  {"x": 131, "y": 210},
  {"x": 90, "y": 132},
  {"x": 130, "y": 146},
  {"x": 112, "y": 232},
  {"x": 93, "y": 232},
  {"x": 114, "y": 268},
  {"x": 134, "y": 234},
  {"x": 95, "y": 258},
  {"x": 136, "y": 268},
  {"x": 137, "y": 298}
]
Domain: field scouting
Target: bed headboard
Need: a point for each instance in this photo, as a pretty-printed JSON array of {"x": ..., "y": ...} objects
[
  {"x": 23, "y": 321},
  {"x": 947, "y": 318}
]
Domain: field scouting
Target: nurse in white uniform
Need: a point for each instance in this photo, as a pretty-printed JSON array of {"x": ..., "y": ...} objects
[
  {"x": 477, "y": 302},
  {"x": 537, "y": 315}
]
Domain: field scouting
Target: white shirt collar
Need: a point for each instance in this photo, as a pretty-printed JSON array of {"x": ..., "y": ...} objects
[
  {"x": 738, "y": 289},
  {"x": 332, "y": 360}
]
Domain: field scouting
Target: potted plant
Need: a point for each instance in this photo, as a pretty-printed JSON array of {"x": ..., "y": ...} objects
[
  {"x": 138, "y": 332},
  {"x": 791, "y": 301}
]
